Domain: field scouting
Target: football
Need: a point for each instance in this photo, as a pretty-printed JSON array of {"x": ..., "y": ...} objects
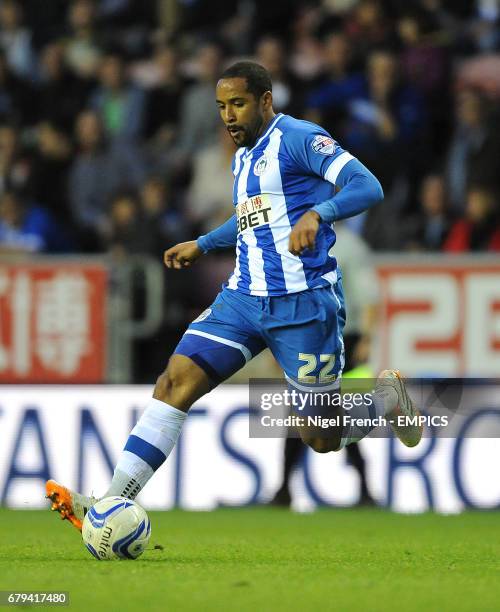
[{"x": 116, "y": 528}]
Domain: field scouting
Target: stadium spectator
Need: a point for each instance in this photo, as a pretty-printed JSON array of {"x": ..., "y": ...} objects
[
  {"x": 15, "y": 40},
  {"x": 423, "y": 59},
  {"x": 161, "y": 221},
  {"x": 26, "y": 228},
  {"x": 449, "y": 14},
  {"x": 209, "y": 202},
  {"x": 199, "y": 115},
  {"x": 425, "y": 63},
  {"x": 336, "y": 55},
  {"x": 479, "y": 229},
  {"x": 127, "y": 24},
  {"x": 120, "y": 104},
  {"x": 16, "y": 97},
  {"x": 96, "y": 173},
  {"x": 14, "y": 163},
  {"x": 384, "y": 116},
  {"x": 49, "y": 164},
  {"x": 204, "y": 17},
  {"x": 368, "y": 27},
  {"x": 144, "y": 224},
  {"x": 120, "y": 11},
  {"x": 475, "y": 147},
  {"x": 124, "y": 236},
  {"x": 61, "y": 95},
  {"x": 287, "y": 90},
  {"x": 83, "y": 43},
  {"x": 428, "y": 228},
  {"x": 164, "y": 99},
  {"x": 482, "y": 31},
  {"x": 305, "y": 59},
  {"x": 45, "y": 20}
]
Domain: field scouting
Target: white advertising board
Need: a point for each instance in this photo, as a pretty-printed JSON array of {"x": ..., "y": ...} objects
[{"x": 75, "y": 433}]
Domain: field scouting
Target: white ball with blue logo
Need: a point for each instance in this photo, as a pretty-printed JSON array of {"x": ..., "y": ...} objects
[{"x": 116, "y": 528}]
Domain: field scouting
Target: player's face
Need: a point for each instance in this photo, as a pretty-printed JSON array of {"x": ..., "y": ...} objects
[{"x": 243, "y": 114}]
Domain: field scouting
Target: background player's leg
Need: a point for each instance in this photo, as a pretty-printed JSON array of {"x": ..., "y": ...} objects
[
  {"x": 155, "y": 434},
  {"x": 357, "y": 461},
  {"x": 293, "y": 451},
  {"x": 354, "y": 454}
]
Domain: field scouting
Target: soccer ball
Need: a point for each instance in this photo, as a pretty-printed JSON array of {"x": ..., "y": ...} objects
[{"x": 116, "y": 528}]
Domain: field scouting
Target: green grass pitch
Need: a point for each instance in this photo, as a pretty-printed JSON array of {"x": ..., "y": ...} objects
[{"x": 267, "y": 559}]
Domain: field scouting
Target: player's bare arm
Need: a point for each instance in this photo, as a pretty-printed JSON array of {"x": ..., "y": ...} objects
[
  {"x": 303, "y": 235},
  {"x": 182, "y": 255}
]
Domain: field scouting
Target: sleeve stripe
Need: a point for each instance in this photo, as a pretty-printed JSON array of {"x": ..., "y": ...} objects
[{"x": 336, "y": 166}]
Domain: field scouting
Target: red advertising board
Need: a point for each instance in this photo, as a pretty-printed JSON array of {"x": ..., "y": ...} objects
[
  {"x": 52, "y": 323},
  {"x": 441, "y": 316}
]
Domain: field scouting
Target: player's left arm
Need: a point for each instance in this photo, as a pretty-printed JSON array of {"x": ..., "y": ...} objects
[{"x": 359, "y": 188}]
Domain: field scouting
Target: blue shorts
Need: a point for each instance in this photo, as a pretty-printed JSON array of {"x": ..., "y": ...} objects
[{"x": 302, "y": 330}]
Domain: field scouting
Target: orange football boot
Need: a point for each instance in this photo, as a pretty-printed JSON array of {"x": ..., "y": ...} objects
[{"x": 70, "y": 505}]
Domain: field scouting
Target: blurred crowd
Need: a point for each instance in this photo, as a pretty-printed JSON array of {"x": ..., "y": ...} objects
[{"x": 110, "y": 140}]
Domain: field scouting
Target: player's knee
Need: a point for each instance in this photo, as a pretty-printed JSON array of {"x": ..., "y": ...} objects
[
  {"x": 165, "y": 384},
  {"x": 180, "y": 385},
  {"x": 172, "y": 388},
  {"x": 172, "y": 380}
]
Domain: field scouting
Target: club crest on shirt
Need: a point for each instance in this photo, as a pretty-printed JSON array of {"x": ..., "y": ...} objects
[
  {"x": 260, "y": 166},
  {"x": 323, "y": 144}
]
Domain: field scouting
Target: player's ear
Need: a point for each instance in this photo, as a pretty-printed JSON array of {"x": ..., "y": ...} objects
[{"x": 267, "y": 100}]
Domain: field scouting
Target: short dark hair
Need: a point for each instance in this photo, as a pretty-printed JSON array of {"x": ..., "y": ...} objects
[{"x": 257, "y": 77}]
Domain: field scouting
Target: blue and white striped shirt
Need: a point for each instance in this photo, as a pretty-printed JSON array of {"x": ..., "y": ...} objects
[{"x": 292, "y": 167}]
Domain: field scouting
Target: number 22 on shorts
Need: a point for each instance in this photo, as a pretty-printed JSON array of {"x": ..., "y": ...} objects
[{"x": 325, "y": 375}]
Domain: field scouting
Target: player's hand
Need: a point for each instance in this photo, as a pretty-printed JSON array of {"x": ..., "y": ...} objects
[
  {"x": 303, "y": 235},
  {"x": 182, "y": 255}
]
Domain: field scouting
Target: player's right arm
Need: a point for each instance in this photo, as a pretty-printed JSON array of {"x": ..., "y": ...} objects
[{"x": 184, "y": 254}]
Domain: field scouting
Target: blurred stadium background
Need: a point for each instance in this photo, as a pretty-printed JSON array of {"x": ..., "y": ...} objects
[{"x": 111, "y": 150}]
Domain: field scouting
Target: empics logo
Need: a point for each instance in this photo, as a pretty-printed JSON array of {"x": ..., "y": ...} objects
[{"x": 324, "y": 145}]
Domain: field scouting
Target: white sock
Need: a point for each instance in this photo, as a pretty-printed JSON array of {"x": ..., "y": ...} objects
[
  {"x": 149, "y": 444},
  {"x": 384, "y": 401}
]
